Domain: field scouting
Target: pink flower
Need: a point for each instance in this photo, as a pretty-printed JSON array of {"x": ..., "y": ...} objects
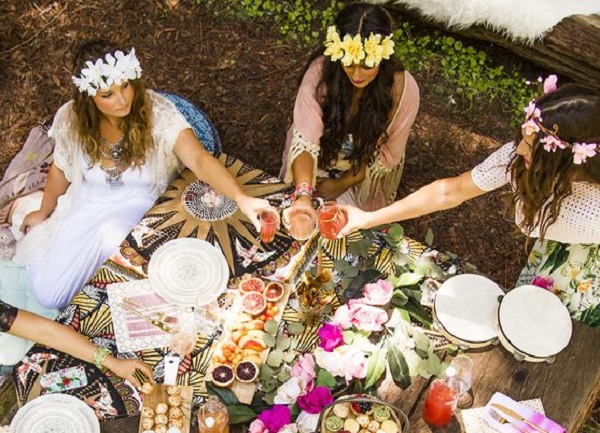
[
  {"x": 378, "y": 293},
  {"x": 550, "y": 84},
  {"x": 583, "y": 151},
  {"x": 367, "y": 317},
  {"x": 355, "y": 365},
  {"x": 315, "y": 400},
  {"x": 532, "y": 111},
  {"x": 304, "y": 368},
  {"x": 274, "y": 419},
  {"x": 331, "y": 337},
  {"x": 530, "y": 127},
  {"x": 551, "y": 143},
  {"x": 342, "y": 317},
  {"x": 257, "y": 426},
  {"x": 543, "y": 282}
]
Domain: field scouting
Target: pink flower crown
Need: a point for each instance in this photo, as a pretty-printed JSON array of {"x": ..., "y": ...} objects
[{"x": 549, "y": 138}]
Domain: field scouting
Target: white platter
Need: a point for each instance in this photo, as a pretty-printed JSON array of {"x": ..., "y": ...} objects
[
  {"x": 465, "y": 307},
  {"x": 188, "y": 272},
  {"x": 533, "y": 323},
  {"x": 55, "y": 413}
]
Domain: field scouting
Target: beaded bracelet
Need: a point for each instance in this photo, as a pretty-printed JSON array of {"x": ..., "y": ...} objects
[
  {"x": 99, "y": 357},
  {"x": 303, "y": 188}
]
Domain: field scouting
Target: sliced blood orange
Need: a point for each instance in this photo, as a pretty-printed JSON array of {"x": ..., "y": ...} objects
[
  {"x": 222, "y": 376},
  {"x": 246, "y": 371},
  {"x": 274, "y": 291},
  {"x": 252, "y": 285},
  {"x": 254, "y": 303}
]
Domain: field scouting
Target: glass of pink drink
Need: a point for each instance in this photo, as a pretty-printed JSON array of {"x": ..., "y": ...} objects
[
  {"x": 331, "y": 220},
  {"x": 269, "y": 224},
  {"x": 301, "y": 224}
]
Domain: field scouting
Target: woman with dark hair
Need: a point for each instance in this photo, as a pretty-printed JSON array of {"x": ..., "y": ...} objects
[
  {"x": 118, "y": 146},
  {"x": 354, "y": 109},
  {"x": 554, "y": 170}
]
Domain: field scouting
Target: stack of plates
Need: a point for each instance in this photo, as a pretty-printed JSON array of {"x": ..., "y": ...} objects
[
  {"x": 55, "y": 413},
  {"x": 188, "y": 272}
]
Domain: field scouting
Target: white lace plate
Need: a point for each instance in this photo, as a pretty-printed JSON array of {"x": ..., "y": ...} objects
[
  {"x": 55, "y": 413},
  {"x": 188, "y": 272},
  {"x": 465, "y": 306}
]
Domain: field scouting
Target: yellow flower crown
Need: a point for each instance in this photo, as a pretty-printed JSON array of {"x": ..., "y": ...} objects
[{"x": 352, "y": 50}]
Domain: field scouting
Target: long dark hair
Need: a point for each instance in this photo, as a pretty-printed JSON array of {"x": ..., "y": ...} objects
[
  {"x": 136, "y": 125},
  {"x": 575, "y": 110},
  {"x": 368, "y": 127}
]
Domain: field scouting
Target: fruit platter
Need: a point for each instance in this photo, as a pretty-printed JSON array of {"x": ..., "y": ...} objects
[
  {"x": 166, "y": 408},
  {"x": 242, "y": 350},
  {"x": 362, "y": 414}
]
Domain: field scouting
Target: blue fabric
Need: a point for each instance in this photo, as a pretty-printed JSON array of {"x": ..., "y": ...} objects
[{"x": 203, "y": 128}]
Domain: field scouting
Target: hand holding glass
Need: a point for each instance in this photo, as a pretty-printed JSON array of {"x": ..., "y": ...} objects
[
  {"x": 331, "y": 220},
  {"x": 269, "y": 224},
  {"x": 300, "y": 223}
]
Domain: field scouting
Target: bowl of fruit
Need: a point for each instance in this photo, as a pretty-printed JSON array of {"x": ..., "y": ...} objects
[{"x": 361, "y": 414}]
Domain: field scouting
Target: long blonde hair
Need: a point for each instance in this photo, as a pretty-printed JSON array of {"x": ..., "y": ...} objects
[{"x": 136, "y": 125}]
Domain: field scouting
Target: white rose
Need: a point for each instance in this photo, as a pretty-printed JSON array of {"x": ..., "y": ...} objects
[
  {"x": 307, "y": 422},
  {"x": 289, "y": 392}
]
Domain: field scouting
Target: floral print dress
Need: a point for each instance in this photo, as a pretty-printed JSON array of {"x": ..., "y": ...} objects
[{"x": 567, "y": 262}]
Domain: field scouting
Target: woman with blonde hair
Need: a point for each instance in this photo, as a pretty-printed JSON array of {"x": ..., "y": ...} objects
[{"x": 118, "y": 146}]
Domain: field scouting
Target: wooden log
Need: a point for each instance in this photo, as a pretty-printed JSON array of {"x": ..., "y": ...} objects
[{"x": 571, "y": 48}]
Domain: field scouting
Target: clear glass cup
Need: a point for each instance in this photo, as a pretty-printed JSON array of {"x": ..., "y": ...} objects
[
  {"x": 184, "y": 335},
  {"x": 269, "y": 224},
  {"x": 300, "y": 223},
  {"x": 464, "y": 377},
  {"x": 331, "y": 220}
]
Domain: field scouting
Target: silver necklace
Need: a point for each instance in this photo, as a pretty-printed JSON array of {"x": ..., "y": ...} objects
[
  {"x": 114, "y": 177},
  {"x": 115, "y": 150}
]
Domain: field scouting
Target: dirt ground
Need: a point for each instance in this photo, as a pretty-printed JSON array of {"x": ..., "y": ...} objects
[{"x": 235, "y": 72}]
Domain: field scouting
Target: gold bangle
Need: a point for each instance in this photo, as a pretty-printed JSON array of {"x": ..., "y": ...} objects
[{"x": 100, "y": 356}]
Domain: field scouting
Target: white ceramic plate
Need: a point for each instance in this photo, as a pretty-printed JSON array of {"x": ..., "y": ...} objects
[
  {"x": 188, "y": 272},
  {"x": 55, "y": 413},
  {"x": 465, "y": 306},
  {"x": 534, "y": 321}
]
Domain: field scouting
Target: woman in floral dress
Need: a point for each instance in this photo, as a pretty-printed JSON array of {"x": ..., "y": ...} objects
[{"x": 554, "y": 171}]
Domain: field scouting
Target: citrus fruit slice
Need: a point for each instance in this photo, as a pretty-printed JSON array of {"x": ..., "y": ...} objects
[
  {"x": 274, "y": 291},
  {"x": 254, "y": 303},
  {"x": 252, "y": 285},
  {"x": 246, "y": 371},
  {"x": 222, "y": 376}
]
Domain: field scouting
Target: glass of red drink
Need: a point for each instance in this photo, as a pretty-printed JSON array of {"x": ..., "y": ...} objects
[
  {"x": 269, "y": 223},
  {"x": 440, "y": 404},
  {"x": 331, "y": 220}
]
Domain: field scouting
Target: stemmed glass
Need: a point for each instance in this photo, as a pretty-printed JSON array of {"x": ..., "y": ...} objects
[{"x": 464, "y": 377}]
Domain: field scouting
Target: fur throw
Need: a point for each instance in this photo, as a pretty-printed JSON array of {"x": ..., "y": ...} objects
[{"x": 525, "y": 20}]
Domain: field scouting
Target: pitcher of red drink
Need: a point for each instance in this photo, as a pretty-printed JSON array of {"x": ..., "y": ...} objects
[
  {"x": 442, "y": 399},
  {"x": 331, "y": 220}
]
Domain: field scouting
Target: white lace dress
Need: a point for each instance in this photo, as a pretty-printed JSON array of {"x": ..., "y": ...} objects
[{"x": 91, "y": 219}]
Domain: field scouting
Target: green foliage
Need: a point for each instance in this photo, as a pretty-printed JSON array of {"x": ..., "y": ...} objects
[
  {"x": 467, "y": 71},
  {"x": 297, "y": 20}
]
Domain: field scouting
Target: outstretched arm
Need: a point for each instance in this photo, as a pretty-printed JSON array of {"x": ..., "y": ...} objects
[
  {"x": 53, "y": 334},
  {"x": 207, "y": 168},
  {"x": 439, "y": 195}
]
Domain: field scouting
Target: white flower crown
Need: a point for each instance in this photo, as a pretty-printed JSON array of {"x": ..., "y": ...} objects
[
  {"x": 352, "y": 50},
  {"x": 103, "y": 73}
]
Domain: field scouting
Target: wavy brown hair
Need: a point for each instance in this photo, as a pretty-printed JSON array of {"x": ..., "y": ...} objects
[
  {"x": 136, "y": 125},
  {"x": 540, "y": 189},
  {"x": 368, "y": 127}
]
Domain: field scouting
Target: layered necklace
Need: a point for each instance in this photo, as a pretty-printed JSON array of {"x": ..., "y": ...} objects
[{"x": 114, "y": 153}]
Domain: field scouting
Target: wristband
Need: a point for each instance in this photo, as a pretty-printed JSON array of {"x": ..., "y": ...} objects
[
  {"x": 99, "y": 357},
  {"x": 303, "y": 188}
]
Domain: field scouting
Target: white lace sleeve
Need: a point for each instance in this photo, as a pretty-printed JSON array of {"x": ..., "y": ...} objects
[
  {"x": 494, "y": 171},
  {"x": 64, "y": 136},
  {"x": 300, "y": 144}
]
